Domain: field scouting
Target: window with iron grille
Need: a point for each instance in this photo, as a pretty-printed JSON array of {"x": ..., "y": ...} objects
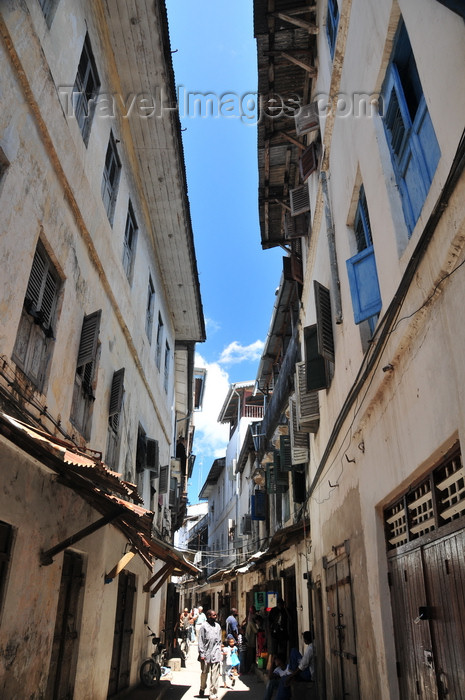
[
  {"x": 409, "y": 130},
  {"x": 110, "y": 178},
  {"x": 85, "y": 90},
  {"x": 129, "y": 242},
  {"x": 436, "y": 501},
  {"x": 84, "y": 379},
  {"x": 149, "y": 309},
  {"x": 34, "y": 340}
]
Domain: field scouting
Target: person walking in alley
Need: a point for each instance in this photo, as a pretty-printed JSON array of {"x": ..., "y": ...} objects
[
  {"x": 232, "y": 626},
  {"x": 278, "y": 621},
  {"x": 200, "y": 620},
  {"x": 210, "y": 654}
]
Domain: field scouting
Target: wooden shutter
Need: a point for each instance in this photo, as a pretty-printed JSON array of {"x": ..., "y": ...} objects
[
  {"x": 316, "y": 370},
  {"x": 308, "y": 162},
  {"x": 324, "y": 321},
  {"x": 89, "y": 338},
  {"x": 117, "y": 391},
  {"x": 173, "y": 490},
  {"x": 299, "y": 200},
  {"x": 295, "y": 226},
  {"x": 141, "y": 451},
  {"x": 292, "y": 269},
  {"x": 163, "y": 483},
  {"x": 285, "y": 453},
  {"x": 246, "y": 525},
  {"x": 307, "y": 119},
  {"x": 34, "y": 286},
  {"x": 308, "y": 409},
  {"x": 152, "y": 455},
  {"x": 299, "y": 439},
  {"x": 281, "y": 476}
]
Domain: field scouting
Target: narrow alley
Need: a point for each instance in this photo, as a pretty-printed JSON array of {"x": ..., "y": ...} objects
[{"x": 185, "y": 684}]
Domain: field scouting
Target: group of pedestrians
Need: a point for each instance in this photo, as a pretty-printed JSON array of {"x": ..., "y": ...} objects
[{"x": 225, "y": 654}]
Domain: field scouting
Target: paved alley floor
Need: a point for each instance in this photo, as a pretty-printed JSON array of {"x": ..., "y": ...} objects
[{"x": 185, "y": 684}]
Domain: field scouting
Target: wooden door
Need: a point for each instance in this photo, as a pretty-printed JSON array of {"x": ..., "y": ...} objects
[
  {"x": 428, "y": 602},
  {"x": 343, "y": 670},
  {"x": 120, "y": 660},
  {"x": 62, "y": 668}
]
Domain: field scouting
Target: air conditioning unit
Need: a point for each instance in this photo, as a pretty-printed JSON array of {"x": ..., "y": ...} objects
[{"x": 307, "y": 119}]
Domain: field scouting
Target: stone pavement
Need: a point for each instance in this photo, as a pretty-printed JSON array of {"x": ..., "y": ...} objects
[{"x": 185, "y": 684}]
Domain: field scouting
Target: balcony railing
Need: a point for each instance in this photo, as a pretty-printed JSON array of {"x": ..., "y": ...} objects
[{"x": 251, "y": 411}]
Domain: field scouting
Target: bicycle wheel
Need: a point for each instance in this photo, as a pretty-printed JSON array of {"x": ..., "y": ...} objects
[{"x": 150, "y": 673}]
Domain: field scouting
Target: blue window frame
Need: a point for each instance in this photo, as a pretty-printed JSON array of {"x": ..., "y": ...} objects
[
  {"x": 361, "y": 269},
  {"x": 332, "y": 21},
  {"x": 409, "y": 130}
]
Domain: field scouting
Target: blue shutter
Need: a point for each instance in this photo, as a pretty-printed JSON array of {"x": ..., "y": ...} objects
[
  {"x": 414, "y": 147},
  {"x": 258, "y": 505},
  {"x": 364, "y": 286}
]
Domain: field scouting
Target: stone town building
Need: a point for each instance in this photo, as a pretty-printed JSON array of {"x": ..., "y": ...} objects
[
  {"x": 100, "y": 311},
  {"x": 360, "y": 443}
]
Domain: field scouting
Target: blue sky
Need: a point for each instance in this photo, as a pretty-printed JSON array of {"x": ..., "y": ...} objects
[{"x": 215, "y": 53}]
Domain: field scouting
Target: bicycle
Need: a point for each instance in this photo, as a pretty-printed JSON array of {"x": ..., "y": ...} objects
[{"x": 150, "y": 670}]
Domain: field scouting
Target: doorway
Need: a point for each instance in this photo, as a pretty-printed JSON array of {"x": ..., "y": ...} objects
[{"x": 120, "y": 660}]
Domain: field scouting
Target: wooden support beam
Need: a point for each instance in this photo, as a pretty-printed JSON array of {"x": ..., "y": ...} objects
[
  {"x": 162, "y": 580},
  {"x": 311, "y": 28},
  {"x": 151, "y": 581},
  {"x": 46, "y": 558},
  {"x": 123, "y": 562},
  {"x": 311, "y": 70},
  {"x": 291, "y": 139}
]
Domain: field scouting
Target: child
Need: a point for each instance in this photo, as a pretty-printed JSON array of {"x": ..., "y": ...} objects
[
  {"x": 275, "y": 676},
  {"x": 230, "y": 662}
]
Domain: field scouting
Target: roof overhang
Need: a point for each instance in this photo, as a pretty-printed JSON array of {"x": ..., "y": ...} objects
[
  {"x": 141, "y": 46},
  {"x": 102, "y": 488}
]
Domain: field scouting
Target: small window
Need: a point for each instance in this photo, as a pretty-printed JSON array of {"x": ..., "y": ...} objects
[
  {"x": 110, "y": 178},
  {"x": 85, "y": 90},
  {"x": 114, "y": 414},
  {"x": 332, "y": 21},
  {"x": 84, "y": 381},
  {"x": 129, "y": 243},
  {"x": 34, "y": 341},
  {"x": 200, "y": 376},
  {"x": 49, "y": 8},
  {"x": 409, "y": 130},
  {"x": 149, "y": 309},
  {"x": 159, "y": 348},
  {"x": 6, "y": 543},
  {"x": 167, "y": 366},
  {"x": 361, "y": 269}
]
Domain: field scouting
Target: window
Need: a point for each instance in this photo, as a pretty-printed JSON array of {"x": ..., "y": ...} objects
[
  {"x": 361, "y": 269},
  {"x": 409, "y": 130},
  {"x": 149, "y": 309},
  {"x": 48, "y": 8},
  {"x": 167, "y": 366},
  {"x": 83, "y": 394},
  {"x": 319, "y": 343},
  {"x": 332, "y": 21},
  {"x": 110, "y": 179},
  {"x": 129, "y": 242},
  {"x": 159, "y": 347},
  {"x": 85, "y": 90},
  {"x": 114, "y": 412},
  {"x": 6, "y": 542},
  {"x": 34, "y": 340}
]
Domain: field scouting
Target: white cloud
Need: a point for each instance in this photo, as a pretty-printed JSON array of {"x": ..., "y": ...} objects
[
  {"x": 211, "y": 436},
  {"x": 235, "y": 353}
]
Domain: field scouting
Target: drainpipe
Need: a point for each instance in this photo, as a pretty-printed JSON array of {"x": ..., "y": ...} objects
[{"x": 332, "y": 251}]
